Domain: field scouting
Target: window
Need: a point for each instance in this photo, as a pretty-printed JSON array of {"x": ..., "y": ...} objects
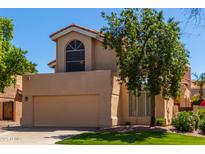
[
  {"x": 139, "y": 105},
  {"x": 75, "y": 56}
]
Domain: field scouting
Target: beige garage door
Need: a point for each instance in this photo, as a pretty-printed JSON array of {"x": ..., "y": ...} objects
[{"x": 69, "y": 111}]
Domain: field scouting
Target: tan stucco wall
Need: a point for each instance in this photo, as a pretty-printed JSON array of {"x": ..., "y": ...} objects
[
  {"x": 104, "y": 59},
  {"x": 1, "y": 111},
  {"x": 185, "y": 96},
  {"x": 17, "y": 111},
  {"x": 115, "y": 101},
  {"x": 64, "y": 84},
  {"x": 18, "y": 102},
  {"x": 175, "y": 110},
  {"x": 159, "y": 106},
  {"x": 96, "y": 57},
  {"x": 169, "y": 111},
  {"x": 19, "y": 82},
  {"x": 164, "y": 108}
]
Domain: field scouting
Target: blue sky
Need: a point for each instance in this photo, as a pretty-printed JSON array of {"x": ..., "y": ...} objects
[{"x": 32, "y": 28}]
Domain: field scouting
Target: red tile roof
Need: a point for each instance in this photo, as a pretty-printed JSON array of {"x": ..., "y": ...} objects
[{"x": 77, "y": 26}]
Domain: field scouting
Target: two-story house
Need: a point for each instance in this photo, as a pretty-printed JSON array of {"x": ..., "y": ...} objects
[{"x": 83, "y": 91}]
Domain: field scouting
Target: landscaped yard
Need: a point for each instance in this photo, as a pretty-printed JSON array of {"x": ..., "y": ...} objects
[{"x": 133, "y": 138}]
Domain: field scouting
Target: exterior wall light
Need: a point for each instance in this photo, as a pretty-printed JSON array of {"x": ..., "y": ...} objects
[{"x": 26, "y": 98}]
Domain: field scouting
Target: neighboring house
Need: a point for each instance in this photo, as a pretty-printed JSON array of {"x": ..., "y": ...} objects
[
  {"x": 83, "y": 91},
  {"x": 184, "y": 100},
  {"x": 195, "y": 90},
  {"x": 11, "y": 102}
]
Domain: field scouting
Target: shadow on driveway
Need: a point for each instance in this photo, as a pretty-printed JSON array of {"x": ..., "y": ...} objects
[
  {"x": 46, "y": 129},
  {"x": 60, "y": 137}
]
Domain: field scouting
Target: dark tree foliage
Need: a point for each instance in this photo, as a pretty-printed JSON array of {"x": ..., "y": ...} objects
[
  {"x": 150, "y": 55},
  {"x": 12, "y": 59}
]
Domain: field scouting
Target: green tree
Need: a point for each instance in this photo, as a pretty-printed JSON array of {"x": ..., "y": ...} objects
[
  {"x": 199, "y": 81},
  {"x": 12, "y": 59},
  {"x": 150, "y": 55}
]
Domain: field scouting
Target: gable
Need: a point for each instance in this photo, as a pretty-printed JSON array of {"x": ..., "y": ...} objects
[{"x": 75, "y": 28}]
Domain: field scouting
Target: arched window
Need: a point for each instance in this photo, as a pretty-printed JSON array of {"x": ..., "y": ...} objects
[{"x": 75, "y": 56}]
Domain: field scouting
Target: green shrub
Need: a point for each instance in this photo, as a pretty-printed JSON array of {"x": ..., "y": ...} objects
[
  {"x": 160, "y": 122},
  {"x": 196, "y": 119},
  {"x": 202, "y": 125},
  {"x": 194, "y": 98},
  {"x": 201, "y": 113},
  {"x": 186, "y": 121}
]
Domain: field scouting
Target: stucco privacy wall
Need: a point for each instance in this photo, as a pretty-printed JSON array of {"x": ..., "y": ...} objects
[
  {"x": 115, "y": 101},
  {"x": 96, "y": 57},
  {"x": 68, "y": 84},
  {"x": 164, "y": 108},
  {"x": 17, "y": 111},
  {"x": 18, "y": 101},
  {"x": 1, "y": 110},
  {"x": 169, "y": 111}
]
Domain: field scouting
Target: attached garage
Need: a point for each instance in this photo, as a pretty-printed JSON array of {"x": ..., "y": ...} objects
[{"x": 66, "y": 111}]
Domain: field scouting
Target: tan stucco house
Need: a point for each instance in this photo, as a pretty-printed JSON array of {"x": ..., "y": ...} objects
[
  {"x": 11, "y": 102},
  {"x": 195, "y": 90},
  {"x": 83, "y": 91}
]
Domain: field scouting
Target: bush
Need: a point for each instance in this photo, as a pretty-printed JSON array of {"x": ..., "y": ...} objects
[
  {"x": 194, "y": 98},
  {"x": 202, "y": 125},
  {"x": 196, "y": 118},
  {"x": 186, "y": 121},
  {"x": 201, "y": 113},
  {"x": 160, "y": 122}
]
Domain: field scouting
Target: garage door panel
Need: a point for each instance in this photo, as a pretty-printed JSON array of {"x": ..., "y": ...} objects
[{"x": 71, "y": 111}]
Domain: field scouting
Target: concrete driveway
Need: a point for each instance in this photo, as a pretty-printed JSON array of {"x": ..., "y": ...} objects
[{"x": 19, "y": 135}]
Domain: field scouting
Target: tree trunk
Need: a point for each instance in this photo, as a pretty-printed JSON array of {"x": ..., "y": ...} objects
[
  {"x": 201, "y": 92},
  {"x": 152, "y": 122}
]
